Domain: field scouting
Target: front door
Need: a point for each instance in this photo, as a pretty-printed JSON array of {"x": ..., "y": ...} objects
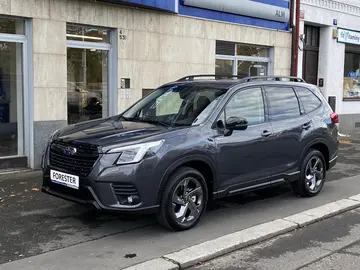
[
  {"x": 243, "y": 155},
  {"x": 311, "y": 54}
]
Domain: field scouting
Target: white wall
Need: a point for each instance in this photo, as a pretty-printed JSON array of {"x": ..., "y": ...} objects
[{"x": 331, "y": 53}]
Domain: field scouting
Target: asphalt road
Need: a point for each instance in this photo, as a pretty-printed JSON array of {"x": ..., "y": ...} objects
[
  {"x": 330, "y": 244},
  {"x": 34, "y": 223}
]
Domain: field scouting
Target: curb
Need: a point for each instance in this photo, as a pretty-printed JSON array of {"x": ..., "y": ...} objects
[{"x": 211, "y": 249}]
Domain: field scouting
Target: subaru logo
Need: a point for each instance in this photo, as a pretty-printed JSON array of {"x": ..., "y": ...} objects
[{"x": 70, "y": 151}]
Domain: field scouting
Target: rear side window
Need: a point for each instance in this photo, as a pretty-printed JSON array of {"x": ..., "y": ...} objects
[
  {"x": 309, "y": 100},
  {"x": 283, "y": 103}
]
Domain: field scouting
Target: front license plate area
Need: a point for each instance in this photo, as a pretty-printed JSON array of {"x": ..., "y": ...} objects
[{"x": 65, "y": 179}]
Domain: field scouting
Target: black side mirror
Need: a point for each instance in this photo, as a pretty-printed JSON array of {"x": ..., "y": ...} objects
[{"x": 236, "y": 123}]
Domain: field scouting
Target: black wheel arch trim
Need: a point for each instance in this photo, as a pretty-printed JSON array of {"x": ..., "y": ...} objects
[
  {"x": 180, "y": 162},
  {"x": 308, "y": 147}
]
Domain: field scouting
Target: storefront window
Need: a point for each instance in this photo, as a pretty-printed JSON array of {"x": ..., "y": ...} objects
[
  {"x": 241, "y": 59},
  {"x": 351, "y": 87},
  {"x": 224, "y": 67},
  {"x": 87, "y": 73}
]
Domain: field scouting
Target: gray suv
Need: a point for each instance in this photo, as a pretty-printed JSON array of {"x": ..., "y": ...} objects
[{"x": 196, "y": 140}]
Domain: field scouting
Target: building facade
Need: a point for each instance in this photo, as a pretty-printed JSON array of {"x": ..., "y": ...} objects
[
  {"x": 329, "y": 56},
  {"x": 68, "y": 61}
]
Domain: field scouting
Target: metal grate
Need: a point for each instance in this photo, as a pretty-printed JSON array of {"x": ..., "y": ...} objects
[
  {"x": 225, "y": 48},
  {"x": 80, "y": 163}
]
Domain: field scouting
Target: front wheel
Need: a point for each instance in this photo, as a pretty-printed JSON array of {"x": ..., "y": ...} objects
[
  {"x": 184, "y": 200},
  {"x": 312, "y": 175}
]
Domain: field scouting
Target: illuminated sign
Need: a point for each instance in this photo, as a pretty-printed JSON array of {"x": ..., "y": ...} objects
[
  {"x": 244, "y": 7},
  {"x": 348, "y": 36}
]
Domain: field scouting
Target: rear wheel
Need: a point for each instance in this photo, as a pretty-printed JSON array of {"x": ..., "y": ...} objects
[
  {"x": 184, "y": 200},
  {"x": 312, "y": 175}
]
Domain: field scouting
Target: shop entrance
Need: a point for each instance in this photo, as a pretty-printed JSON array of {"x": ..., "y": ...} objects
[
  {"x": 311, "y": 54},
  {"x": 14, "y": 129}
]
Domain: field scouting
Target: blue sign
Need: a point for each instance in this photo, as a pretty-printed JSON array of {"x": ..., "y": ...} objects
[
  {"x": 166, "y": 5},
  {"x": 272, "y": 14}
]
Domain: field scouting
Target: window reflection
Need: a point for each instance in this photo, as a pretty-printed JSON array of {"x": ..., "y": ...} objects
[
  {"x": 12, "y": 26},
  {"x": 224, "y": 67},
  {"x": 248, "y": 104},
  {"x": 252, "y": 50},
  {"x": 308, "y": 99},
  {"x": 87, "y": 84},
  {"x": 251, "y": 68},
  {"x": 87, "y": 33},
  {"x": 283, "y": 103},
  {"x": 351, "y": 85}
]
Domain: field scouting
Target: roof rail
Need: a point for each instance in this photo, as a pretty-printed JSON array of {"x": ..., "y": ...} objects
[
  {"x": 217, "y": 76},
  {"x": 273, "y": 78}
]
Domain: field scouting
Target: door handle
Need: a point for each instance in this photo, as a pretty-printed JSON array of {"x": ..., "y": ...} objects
[
  {"x": 306, "y": 126},
  {"x": 266, "y": 134}
]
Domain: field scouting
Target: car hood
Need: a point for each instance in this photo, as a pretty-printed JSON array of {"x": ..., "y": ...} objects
[{"x": 110, "y": 131}]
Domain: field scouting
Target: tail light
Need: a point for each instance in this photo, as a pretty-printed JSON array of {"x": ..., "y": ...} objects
[{"x": 334, "y": 118}]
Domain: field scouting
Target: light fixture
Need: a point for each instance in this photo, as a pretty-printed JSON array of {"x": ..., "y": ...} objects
[{"x": 84, "y": 37}]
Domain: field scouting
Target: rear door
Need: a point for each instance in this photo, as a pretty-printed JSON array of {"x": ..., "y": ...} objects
[{"x": 290, "y": 125}]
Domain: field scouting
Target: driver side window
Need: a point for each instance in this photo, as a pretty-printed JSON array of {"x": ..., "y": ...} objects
[{"x": 248, "y": 104}]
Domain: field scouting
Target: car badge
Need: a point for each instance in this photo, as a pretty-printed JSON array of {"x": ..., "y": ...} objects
[{"x": 70, "y": 151}]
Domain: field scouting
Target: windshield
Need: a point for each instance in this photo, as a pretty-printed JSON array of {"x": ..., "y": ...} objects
[{"x": 176, "y": 105}]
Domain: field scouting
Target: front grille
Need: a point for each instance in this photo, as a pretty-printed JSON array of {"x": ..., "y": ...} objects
[
  {"x": 124, "y": 190},
  {"x": 79, "y": 163}
]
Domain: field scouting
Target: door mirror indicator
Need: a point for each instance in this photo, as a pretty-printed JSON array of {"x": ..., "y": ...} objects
[{"x": 236, "y": 123}]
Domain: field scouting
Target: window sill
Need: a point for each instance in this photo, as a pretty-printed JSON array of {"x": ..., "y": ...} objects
[{"x": 351, "y": 99}]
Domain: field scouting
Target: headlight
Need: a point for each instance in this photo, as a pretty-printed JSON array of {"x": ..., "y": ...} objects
[{"x": 135, "y": 153}]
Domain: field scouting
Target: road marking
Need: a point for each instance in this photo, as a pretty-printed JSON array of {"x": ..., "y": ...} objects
[{"x": 222, "y": 245}]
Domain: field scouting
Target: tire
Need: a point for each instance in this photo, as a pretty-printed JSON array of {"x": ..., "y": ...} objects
[
  {"x": 314, "y": 164},
  {"x": 179, "y": 212}
]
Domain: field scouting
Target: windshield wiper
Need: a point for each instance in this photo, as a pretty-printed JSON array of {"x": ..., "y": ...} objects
[
  {"x": 150, "y": 121},
  {"x": 155, "y": 122}
]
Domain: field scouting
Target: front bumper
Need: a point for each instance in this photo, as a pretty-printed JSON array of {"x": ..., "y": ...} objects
[
  {"x": 108, "y": 187},
  {"x": 87, "y": 196}
]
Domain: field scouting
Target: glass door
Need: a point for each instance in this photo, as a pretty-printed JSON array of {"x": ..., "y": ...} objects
[{"x": 11, "y": 99}]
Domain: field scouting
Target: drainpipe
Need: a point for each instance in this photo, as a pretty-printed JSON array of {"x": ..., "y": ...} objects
[{"x": 295, "y": 8}]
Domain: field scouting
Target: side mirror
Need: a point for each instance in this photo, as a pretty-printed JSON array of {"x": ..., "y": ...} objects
[{"x": 236, "y": 123}]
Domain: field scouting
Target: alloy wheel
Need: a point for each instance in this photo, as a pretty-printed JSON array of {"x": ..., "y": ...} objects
[
  {"x": 188, "y": 200},
  {"x": 314, "y": 174}
]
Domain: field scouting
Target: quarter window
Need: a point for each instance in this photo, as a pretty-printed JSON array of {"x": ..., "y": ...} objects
[
  {"x": 283, "y": 103},
  {"x": 308, "y": 99},
  {"x": 248, "y": 104}
]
